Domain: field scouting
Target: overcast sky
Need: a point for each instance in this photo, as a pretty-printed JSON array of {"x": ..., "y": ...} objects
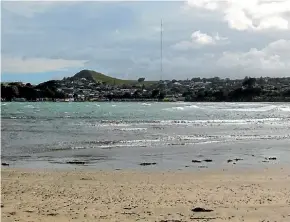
[{"x": 226, "y": 38}]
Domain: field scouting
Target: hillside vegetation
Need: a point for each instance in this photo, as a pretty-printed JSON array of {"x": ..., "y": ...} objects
[{"x": 99, "y": 77}]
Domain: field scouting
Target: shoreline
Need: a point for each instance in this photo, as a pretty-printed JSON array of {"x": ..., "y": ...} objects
[
  {"x": 123, "y": 195},
  {"x": 149, "y": 101}
]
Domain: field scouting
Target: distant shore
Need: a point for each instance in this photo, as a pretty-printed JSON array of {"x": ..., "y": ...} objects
[
  {"x": 279, "y": 100},
  {"x": 121, "y": 100},
  {"x": 33, "y": 195}
]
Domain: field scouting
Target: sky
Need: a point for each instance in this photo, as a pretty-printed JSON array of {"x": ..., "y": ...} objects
[{"x": 43, "y": 40}]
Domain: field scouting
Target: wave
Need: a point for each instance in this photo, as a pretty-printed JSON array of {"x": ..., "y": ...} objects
[
  {"x": 132, "y": 129},
  {"x": 284, "y": 109},
  {"x": 219, "y": 121},
  {"x": 146, "y": 104},
  {"x": 182, "y": 107},
  {"x": 137, "y": 123},
  {"x": 193, "y": 122},
  {"x": 232, "y": 107},
  {"x": 180, "y": 140},
  {"x": 258, "y": 109},
  {"x": 29, "y": 106}
]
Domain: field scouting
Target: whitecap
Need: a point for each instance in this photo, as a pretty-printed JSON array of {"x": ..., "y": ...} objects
[
  {"x": 29, "y": 106},
  {"x": 258, "y": 109},
  {"x": 77, "y": 148},
  {"x": 182, "y": 107},
  {"x": 217, "y": 121},
  {"x": 132, "y": 129},
  {"x": 146, "y": 104},
  {"x": 284, "y": 109}
]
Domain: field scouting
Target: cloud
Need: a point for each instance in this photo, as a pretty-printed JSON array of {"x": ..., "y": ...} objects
[
  {"x": 37, "y": 65},
  {"x": 274, "y": 59},
  {"x": 198, "y": 39},
  {"x": 202, "y": 38},
  {"x": 249, "y": 14},
  {"x": 31, "y": 8},
  {"x": 120, "y": 39}
]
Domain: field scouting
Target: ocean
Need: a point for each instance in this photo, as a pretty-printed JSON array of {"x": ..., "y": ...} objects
[{"x": 109, "y": 135}]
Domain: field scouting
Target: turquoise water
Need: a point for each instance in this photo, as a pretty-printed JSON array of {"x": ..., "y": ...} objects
[
  {"x": 122, "y": 135},
  {"x": 144, "y": 111}
]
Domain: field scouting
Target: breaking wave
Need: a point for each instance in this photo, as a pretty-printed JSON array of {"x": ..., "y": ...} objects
[{"x": 182, "y": 107}]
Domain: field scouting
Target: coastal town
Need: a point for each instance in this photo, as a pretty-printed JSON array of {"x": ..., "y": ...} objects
[{"x": 91, "y": 86}]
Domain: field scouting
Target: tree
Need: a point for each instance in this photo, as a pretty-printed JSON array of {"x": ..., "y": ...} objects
[
  {"x": 155, "y": 93},
  {"x": 176, "y": 90},
  {"x": 196, "y": 79},
  {"x": 200, "y": 95},
  {"x": 137, "y": 94},
  {"x": 6, "y": 92},
  {"x": 286, "y": 93},
  {"x": 161, "y": 86},
  {"x": 220, "y": 95},
  {"x": 141, "y": 80},
  {"x": 161, "y": 95},
  {"x": 249, "y": 82},
  {"x": 127, "y": 95},
  {"x": 28, "y": 93},
  {"x": 15, "y": 91},
  {"x": 48, "y": 93},
  {"x": 216, "y": 79}
]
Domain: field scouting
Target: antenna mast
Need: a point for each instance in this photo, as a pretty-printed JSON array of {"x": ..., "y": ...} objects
[{"x": 161, "y": 48}]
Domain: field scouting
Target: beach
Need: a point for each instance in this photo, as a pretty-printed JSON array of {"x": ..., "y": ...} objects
[
  {"x": 94, "y": 195},
  {"x": 145, "y": 162}
]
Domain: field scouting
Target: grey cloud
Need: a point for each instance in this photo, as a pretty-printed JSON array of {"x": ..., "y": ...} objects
[{"x": 87, "y": 31}]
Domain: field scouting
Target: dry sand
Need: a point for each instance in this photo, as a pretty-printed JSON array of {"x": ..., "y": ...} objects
[{"x": 29, "y": 195}]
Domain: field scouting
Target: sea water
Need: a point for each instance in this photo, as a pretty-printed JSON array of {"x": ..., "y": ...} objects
[{"x": 109, "y": 135}]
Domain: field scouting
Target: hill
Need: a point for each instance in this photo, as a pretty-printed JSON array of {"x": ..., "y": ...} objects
[{"x": 100, "y": 77}]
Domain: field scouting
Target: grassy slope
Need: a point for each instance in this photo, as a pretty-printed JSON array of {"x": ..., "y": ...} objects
[{"x": 99, "y": 77}]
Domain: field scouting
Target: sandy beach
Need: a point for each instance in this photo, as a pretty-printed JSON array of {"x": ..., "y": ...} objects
[{"x": 30, "y": 195}]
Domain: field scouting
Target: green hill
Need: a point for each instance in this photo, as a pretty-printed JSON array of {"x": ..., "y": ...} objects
[{"x": 100, "y": 77}]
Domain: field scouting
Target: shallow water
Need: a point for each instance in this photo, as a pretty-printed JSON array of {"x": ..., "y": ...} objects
[{"x": 122, "y": 135}]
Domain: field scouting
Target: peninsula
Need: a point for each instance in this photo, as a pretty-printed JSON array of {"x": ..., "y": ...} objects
[{"x": 88, "y": 85}]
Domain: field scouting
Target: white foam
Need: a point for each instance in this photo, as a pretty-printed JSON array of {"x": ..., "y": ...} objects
[
  {"x": 132, "y": 129},
  {"x": 78, "y": 148},
  {"x": 29, "y": 106},
  {"x": 178, "y": 108},
  {"x": 258, "y": 109},
  {"x": 112, "y": 124},
  {"x": 140, "y": 141},
  {"x": 182, "y": 107},
  {"x": 181, "y": 137},
  {"x": 208, "y": 142},
  {"x": 146, "y": 104},
  {"x": 284, "y": 109},
  {"x": 193, "y": 106},
  {"x": 218, "y": 121}
]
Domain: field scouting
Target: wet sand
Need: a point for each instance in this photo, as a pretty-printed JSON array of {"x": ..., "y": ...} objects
[{"x": 235, "y": 195}]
